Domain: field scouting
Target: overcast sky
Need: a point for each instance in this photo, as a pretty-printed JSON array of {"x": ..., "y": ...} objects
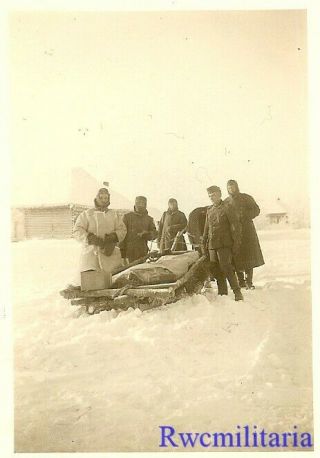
[{"x": 160, "y": 104}]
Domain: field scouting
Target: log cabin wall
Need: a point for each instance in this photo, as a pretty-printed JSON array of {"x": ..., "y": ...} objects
[{"x": 48, "y": 223}]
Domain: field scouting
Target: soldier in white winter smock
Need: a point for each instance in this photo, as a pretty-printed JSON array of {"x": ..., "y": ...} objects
[{"x": 100, "y": 229}]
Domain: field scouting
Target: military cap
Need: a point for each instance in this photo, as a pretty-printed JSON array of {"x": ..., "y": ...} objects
[{"x": 213, "y": 189}]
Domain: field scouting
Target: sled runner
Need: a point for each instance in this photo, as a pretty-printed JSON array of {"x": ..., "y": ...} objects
[{"x": 155, "y": 280}]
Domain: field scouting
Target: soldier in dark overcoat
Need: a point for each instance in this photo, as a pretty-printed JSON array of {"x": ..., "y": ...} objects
[
  {"x": 172, "y": 221},
  {"x": 250, "y": 254},
  {"x": 140, "y": 229}
]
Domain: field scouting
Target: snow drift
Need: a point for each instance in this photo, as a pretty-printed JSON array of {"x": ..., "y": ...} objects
[{"x": 106, "y": 382}]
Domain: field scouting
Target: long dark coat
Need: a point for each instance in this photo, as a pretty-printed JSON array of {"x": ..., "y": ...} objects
[
  {"x": 170, "y": 224},
  {"x": 135, "y": 246},
  {"x": 250, "y": 254},
  {"x": 196, "y": 222}
]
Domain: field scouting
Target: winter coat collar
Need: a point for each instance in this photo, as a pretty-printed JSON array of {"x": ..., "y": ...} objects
[
  {"x": 172, "y": 212},
  {"x": 218, "y": 204},
  {"x": 145, "y": 213}
]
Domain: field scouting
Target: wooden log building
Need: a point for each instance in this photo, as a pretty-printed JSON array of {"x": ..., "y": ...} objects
[{"x": 44, "y": 221}]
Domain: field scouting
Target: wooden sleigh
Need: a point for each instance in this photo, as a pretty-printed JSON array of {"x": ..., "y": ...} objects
[{"x": 145, "y": 296}]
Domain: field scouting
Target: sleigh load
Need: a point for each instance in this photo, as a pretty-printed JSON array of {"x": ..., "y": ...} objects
[{"x": 147, "y": 283}]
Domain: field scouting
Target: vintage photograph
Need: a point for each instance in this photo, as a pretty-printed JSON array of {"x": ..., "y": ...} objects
[{"x": 160, "y": 231}]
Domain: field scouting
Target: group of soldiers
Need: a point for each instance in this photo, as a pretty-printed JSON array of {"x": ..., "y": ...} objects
[{"x": 223, "y": 232}]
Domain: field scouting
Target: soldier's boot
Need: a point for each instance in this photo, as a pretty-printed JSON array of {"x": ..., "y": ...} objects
[
  {"x": 238, "y": 295},
  {"x": 232, "y": 278},
  {"x": 217, "y": 273},
  {"x": 222, "y": 286},
  {"x": 249, "y": 275},
  {"x": 241, "y": 279}
]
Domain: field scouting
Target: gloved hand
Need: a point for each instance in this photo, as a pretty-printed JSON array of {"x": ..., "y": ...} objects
[
  {"x": 90, "y": 238},
  {"x": 94, "y": 240},
  {"x": 109, "y": 243},
  {"x": 143, "y": 235},
  {"x": 111, "y": 238}
]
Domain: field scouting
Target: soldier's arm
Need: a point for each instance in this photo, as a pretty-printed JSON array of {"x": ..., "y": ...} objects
[
  {"x": 121, "y": 228},
  {"x": 235, "y": 225},
  {"x": 80, "y": 230},
  {"x": 252, "y": 208},
  {"x": 151, "y": 232},
  {"x": 205, "y": 231},
  {"x": 161, "y": 228},
  {"x": 123, "y": 243}
]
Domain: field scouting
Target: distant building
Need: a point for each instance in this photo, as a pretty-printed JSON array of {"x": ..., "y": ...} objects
[
  {"x": 277, "y": 213},
  {"x": 46, "y": 221}
]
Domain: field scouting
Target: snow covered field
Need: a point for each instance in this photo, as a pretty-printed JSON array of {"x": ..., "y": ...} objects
[{"x": 106, "y": 382}]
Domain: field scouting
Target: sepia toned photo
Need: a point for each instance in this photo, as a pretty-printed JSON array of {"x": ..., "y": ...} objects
[{"x": 160, "y": 231}]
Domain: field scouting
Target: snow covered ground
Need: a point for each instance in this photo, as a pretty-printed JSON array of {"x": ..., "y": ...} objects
[{"x": 106, "y": 382}]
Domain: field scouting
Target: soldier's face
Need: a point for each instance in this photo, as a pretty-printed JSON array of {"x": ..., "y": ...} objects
[
  {"x": 103, "y": 198},
  {"x": 232, "y": 188},
  {"x": 172, "y": 205},
  {"x": 141, "y": 206},
  {"x": 215, "y": 197}
]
